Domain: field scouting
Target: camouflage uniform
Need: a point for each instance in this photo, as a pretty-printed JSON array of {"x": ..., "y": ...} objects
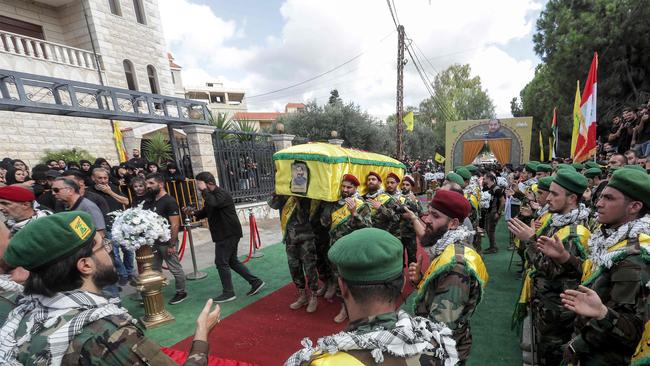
[
  {"x": 112, "y": 340},
  {"x": 451, "y": 297},
  {"x": 552, "y": 321},
  {"x": 384, "y": 217},
  {"x": 348, "y": 225},
  {"x": 299, "y": 239},
  {"x": 622, "y": 288},
  {"x": 407, "y": 232},
  {"x": 7, "y": 303}
]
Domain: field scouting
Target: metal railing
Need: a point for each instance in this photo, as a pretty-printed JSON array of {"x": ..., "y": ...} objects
[
  {"x": 245, "y": 164},
  {"x": 17, "y": 44},
  {"x": 184, "y": 192}
]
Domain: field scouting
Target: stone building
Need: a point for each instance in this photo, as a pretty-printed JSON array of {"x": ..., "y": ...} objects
[{"x": 118, "y": 43}]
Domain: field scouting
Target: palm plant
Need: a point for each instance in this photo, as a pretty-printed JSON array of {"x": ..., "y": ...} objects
[
  {"x": 247, "y": 126},
  {"x": 157, "y": 149},
  {"x": 222, "y": 122}
]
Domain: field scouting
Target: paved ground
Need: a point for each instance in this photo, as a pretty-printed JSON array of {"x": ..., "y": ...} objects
[{"x": 270, "y": 234}]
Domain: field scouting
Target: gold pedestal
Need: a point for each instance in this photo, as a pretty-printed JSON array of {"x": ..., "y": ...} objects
[{"x": 150, "y": 283}]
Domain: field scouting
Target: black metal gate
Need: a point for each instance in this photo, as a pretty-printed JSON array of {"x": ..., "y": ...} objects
[{"x": 245, "y": 164}]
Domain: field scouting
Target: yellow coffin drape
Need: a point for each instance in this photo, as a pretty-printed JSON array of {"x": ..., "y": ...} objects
[
  {"x": 471, "y": 148},
  {"x": 326, "y": 165}
]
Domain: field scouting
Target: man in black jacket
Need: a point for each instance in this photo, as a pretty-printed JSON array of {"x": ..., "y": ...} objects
[{"x": 225, "y": 230}]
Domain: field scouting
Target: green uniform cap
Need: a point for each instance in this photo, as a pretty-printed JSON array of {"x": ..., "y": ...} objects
[
  {"x": 531, "y": 166},
  {"x": 565, "y": 166},
  {"x": 578, "y": 166},
  {"x": 453, "y": 177},
  {"x": 571, "y": 181},
  {"x": 635, "y": 167},
  {"x": 49, "y": 238},
  {"x": 368, "y": 256},
  {"x": 593, "y": 172},
  {"x": 471, "y": 168},
  {"x": 632, "y": 183},
  {"x": 545, "y": 168},
  {"x": 463, "y": 172},
  {"x": 544, "y": 183},
  {"x": 591, "y": 164}
]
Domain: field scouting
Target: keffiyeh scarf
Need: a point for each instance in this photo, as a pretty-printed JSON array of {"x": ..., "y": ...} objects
[
  {"x": 575, "y": 216},
  {"x": 410, "y": 337},
  {"x": 604, "y": 239},
  {"x": 372, "y": 196},
  {"x": 459, "y": 235},
  {"x": 8, "y": 285},
  {"x": 42, "y": 313}
]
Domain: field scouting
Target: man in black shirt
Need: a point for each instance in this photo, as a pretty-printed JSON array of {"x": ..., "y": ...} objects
[
  {"x": 494, "y": 211},
  {"x": 137, "y": 161},
  {"x": 116, "y": 201},
  {"x": 165, "y": 205},
  {"x": 225, "y": 230}
]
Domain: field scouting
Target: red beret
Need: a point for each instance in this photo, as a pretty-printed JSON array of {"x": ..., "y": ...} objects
[
  {"x": 351, "y": 178},
  {"x": 408, "y": 178},
  {"x": 452, "y": 204},
  {"x": 374, "y": 174},
  {"x": 17, "y": 194},
  {"x": 394, "y": 176}
]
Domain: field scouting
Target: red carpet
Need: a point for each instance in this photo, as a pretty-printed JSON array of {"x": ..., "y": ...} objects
[{"x": 267, "y": 332}]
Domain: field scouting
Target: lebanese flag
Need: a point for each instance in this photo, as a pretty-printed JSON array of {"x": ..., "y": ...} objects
[{"x": 586, "y": 145}]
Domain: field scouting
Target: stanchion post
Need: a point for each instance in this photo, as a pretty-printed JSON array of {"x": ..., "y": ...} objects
[
  {"x": 255, "y": 235},
  {"x": 195, "y": 275}
]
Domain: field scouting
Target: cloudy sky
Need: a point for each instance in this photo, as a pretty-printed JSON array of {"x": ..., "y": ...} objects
[{"x": 267, "y": 45}]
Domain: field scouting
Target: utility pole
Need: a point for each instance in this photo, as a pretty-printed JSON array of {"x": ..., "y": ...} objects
[{"x": 400, "y": 92}]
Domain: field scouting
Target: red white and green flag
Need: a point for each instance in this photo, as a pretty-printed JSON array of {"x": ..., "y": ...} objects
[
  {"x": 586, "y": 144},
  {"x": 553, "y": 143}
]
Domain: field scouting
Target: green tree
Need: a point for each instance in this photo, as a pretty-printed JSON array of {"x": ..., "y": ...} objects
[
  {"x": 157, "y": 148},
  {"x": 74, "y": 154},
  {"x": 568, "y": 33},
  {"x": 334, "y": 98},
  {"x": 457, "y": 96},
  {"x": 356, "y": 127}
]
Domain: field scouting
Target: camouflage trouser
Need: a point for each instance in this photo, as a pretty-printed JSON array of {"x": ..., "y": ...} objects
[
  {"x": 322, "y": 262},
  {"x": 553, "y": 327},
  {"x": 410, "y": 246},
  {"x": 301, "y": 257}
]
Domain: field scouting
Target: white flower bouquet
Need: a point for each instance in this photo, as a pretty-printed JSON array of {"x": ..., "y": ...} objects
[
  {"x": 485, "y": 199},
  {"x": 136, "y": 227}
]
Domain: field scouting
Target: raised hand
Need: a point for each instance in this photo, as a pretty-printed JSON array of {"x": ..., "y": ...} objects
[
  {"x": 553, "y": 248},
  {"x": 206, "y": 321},
  {"x": 415, "y": 274},
  {"x": 519, "y": 229},
  {"x": 584, "y": 301}
]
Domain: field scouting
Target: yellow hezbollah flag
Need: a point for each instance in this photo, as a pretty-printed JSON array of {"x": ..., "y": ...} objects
[
  {"x": 119, "y": 143},
  {"x": 577, "y": 114},
  {"x": 439, "y": 159},
  {"x": 541, "y": 147},
  {"x": 408, "y": 121}
]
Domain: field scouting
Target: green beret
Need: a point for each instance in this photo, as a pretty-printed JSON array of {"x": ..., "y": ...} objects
[
  {"x": 591, "y": 164},
  {"x": 632, "y": 183},
  {"x": 463, "y": 172},
  {"x": 368, "y": 256},
  {"x": 565, "y": 166},
  {"x": 578, "y": 166},
  {"x": 635, "y": 167},
  {"x": 531, "y": 166},
  {"x": 534, "y": 162},
  {"x": 544, "y": 183},
  {"x": 454, "y": 177},
  {"x": 49, "y": 238},
  {"x": 593, "y": 172},
  {"x": 571, "y": 181},
  {"x": 471, "y": 168},
  {"x": 545, "y": 168}
]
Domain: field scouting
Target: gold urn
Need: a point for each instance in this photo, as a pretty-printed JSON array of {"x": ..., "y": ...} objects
[{"x": 149, "y": 284}]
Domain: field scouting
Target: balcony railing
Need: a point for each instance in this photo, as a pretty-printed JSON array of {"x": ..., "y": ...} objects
[{"x": 17, "y": 44}]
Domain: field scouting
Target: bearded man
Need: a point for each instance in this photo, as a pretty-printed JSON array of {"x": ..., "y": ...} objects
[{"x": 452, "y": 287}]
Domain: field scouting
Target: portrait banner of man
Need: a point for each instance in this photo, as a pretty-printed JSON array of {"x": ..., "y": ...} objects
[{"x": 299, "y": 177}]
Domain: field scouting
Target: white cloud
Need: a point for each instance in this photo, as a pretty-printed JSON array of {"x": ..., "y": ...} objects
[{"x": 318, "y": 35}]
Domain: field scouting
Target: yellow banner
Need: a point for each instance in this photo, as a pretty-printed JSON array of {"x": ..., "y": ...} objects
[
  {"x": 577, "y": 116},
  {"x": 119, "y": 143},
  {"x": 439, "y": 159},
  {"x": 541, "y": 147},
  {"x": 408, "y": 121}
]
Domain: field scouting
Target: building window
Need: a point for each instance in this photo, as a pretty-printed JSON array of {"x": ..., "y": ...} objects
[
  {"x": 153, "y": 79},
  {"x": 115, "y": 7},
  {"x": 139, "y": 11},
  {"x": 129, "y": 73},
  {"x": 173, "y": 78}
]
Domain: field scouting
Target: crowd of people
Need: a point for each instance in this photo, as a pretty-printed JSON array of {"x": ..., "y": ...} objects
[{"x": 581, "y": 230}]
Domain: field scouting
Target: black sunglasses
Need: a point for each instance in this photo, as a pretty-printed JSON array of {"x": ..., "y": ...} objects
[{"x": 56, "y": 190}]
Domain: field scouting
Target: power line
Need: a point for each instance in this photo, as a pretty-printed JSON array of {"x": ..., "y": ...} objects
[
  {"x": 392, "y": 14},
  {"x": 319, "y": 75}
]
